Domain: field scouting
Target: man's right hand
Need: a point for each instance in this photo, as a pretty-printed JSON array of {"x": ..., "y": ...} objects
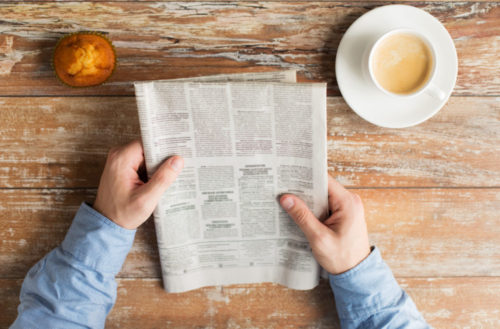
[
  {"x": 340, "y": 242},
  {"x": 122, "y": 196}
]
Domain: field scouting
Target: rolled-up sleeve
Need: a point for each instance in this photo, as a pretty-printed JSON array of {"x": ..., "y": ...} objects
[
  {"x": 74, "y": 285},
  {"x": 368, "y": 296}
]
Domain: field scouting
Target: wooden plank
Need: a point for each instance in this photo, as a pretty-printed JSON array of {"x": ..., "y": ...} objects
[
  {"x": 236, "y": 306},
  {"x": 452, "y": 303},
  {"x": 142, "y": 303},
  {"x": 172, "y": 39},
  {"x": 469, "y": 302},
  {"x": 9, "y": 300},
  {"x": 36, "y": 221},
  {"x": 459, "y": 146},
  {"x": 456, "y": 303},
  {"x": 63, "y": 141},
  {"x": 421, "y": 232},
  {"x": 223, "y": 1},
  {"x": 435, "y": 232}
]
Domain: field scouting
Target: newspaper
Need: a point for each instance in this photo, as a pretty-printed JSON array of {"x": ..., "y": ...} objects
[{"x": 246, "y": 139}]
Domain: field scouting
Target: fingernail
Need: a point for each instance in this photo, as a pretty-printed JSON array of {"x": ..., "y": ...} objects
[
  {"x": 177, "y": 164},
  {"x": 287, "y": 203}
]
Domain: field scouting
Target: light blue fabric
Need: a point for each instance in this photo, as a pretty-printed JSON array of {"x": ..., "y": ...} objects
[
  {"x": 368, "y": 296},
  {"x": 74, "y": 285}
]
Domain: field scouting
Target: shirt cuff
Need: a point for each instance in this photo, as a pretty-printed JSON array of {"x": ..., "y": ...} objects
[
  {"x": 365, "y": 289},
  {"x": 97, "y": 242}
]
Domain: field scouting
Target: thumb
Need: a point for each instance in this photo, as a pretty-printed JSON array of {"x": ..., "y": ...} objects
[
  {"x": 164, "y": 176},
  {"x": 303, "y": 217}
]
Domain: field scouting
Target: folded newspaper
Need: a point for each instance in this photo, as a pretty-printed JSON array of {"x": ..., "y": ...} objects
[{"x": 246, "y": 139}]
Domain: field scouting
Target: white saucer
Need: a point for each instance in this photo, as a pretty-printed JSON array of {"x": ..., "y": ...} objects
[{"x": 361, "y": 93}]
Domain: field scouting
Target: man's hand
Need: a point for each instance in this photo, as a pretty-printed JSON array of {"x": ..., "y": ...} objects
[
  {"x": 340, "y": 242},
  {"x": 122, "y": 196}
]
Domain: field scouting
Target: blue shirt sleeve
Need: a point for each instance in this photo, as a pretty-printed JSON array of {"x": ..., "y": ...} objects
[
  {"x": 368, "y": 296},
  {"x": 74, "y": 285}
]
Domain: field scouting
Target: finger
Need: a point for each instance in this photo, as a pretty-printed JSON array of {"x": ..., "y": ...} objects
[
  {"x": 336, "y": 194},
  {"x": 131, "y": 154},
  {"x": 135, "y": 153},
  {"x": 164, "y": 176},
  {"x": 334, "y": 218},
  {"x": 300, "y": 213}
]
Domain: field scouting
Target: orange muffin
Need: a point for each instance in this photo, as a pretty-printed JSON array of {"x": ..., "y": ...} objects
[{"x": 84, "y": 59}]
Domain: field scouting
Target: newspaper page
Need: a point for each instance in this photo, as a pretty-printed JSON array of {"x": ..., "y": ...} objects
[{"x": 244, "y": 144}]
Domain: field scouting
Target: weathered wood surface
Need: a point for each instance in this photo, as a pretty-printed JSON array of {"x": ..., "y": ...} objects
[
  {"x": 445, "y": 303},
  {"x": 225, "y": 1},
  {"x": 435, "y": 232},
  {"x": 451, "y": 303},
  {"x": 63, "y": 141},
  {"x": 169, "y": 40},
  {"x": 421, "y": 232},
  {"x": 431, "y": 192},
  {"x": 459, "y": 146}
]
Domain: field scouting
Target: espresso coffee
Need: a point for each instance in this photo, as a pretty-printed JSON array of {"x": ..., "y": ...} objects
[{"x": 402, "y": 63}]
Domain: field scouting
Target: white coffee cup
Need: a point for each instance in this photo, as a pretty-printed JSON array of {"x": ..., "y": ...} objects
[{"x": 428, "y": 87}]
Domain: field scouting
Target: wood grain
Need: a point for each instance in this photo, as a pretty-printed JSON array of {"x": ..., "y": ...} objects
[
  {"x": 62, "y": 142},
  {"x": 431, "y": 192},
  {"x": 36, "y": 221},
  {"x": 456, "y": 303},
  {"x": 421, "y": 232},
  {"x": 459, "y": 146},
  {"x": 451, "y": 303},
  {"x": 435, "y": 232},
  {"x": 224, "y": 1},
  {"x": 175, "y": 39}
]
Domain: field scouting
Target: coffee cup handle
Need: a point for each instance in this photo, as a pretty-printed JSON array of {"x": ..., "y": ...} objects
[{"x": 435, "y": 92}]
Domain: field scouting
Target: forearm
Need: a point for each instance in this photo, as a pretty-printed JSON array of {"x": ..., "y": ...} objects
[
  {"x": 74, "y": 285},
  {"x": 368, "y": 296}
]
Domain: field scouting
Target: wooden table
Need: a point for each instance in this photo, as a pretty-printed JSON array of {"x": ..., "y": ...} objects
[{"x": 431, "y": 192}]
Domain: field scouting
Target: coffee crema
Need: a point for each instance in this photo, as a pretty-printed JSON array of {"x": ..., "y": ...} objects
[{"x": 402, "y": 63}]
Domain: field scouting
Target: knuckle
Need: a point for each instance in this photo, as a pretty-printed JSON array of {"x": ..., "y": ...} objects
[
  {"x": 300, "y": 216},
  {"x": 163, "y": 176},
  {"x": 113, "y": 153},
  {"x": 345, "y": 199}
]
